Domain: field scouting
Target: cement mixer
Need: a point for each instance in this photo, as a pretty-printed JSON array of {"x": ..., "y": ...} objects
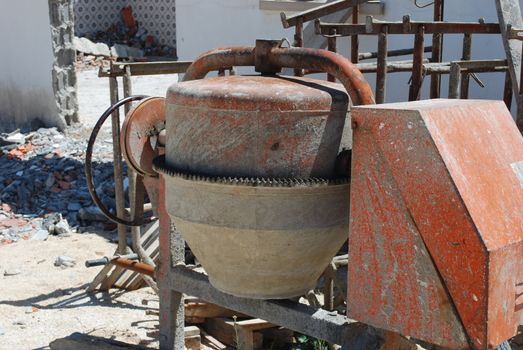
[{"x": 250, "y": 172}]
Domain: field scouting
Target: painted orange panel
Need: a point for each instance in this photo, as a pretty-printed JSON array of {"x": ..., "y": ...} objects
[{"x": 455, "y": 166}]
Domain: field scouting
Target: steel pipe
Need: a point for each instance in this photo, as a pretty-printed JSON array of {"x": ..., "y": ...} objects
[{"x": 357, "y": 87}]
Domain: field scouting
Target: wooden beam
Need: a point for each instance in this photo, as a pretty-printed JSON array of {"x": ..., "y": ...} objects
[{"x": 318, "y": 12}]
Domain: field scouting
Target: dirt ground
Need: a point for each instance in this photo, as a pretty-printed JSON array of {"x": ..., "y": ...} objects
[{"x": 42, "y": 302}]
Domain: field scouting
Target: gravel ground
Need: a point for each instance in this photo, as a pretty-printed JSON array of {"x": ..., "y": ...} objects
[{"x": 40, "y": 302}]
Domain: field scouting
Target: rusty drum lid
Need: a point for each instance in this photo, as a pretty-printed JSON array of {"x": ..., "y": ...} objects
[{"x": 260, "y": 93}]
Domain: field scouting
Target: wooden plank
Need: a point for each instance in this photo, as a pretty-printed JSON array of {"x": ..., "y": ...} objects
[
  {"x": 233, "y": 334},
  {"x": 211, "y": 342},
  {"x": 208, "y": 310},
  {"x": 509, "y": 15},
  {"x": 318, "y": 12},
  {"x": 254, "y": 324}
]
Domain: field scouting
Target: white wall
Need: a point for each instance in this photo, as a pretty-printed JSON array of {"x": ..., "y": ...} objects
[
  {"x": 26, "y": 59},
  {"x": 205, "y": 24}
]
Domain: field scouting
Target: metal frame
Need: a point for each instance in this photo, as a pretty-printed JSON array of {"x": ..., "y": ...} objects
[{"x": 418, "y": 67}]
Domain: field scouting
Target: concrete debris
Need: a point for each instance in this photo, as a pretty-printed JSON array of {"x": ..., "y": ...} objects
[
  {"x": 86, "y": 46},
  {"x": 40, "y": 235},
  {"x": 125, "y": 38},
  {"x": 62, "y": 228},
  {"x": 64, "y": 262},
  {"x": 15, "y": 137},
  {"x": 124, "y": 51},
  {"x": 43, "y": 187}
]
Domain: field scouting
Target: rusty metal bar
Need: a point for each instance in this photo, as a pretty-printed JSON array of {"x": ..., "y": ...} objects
[
  {"x": 437, "y": 49},
  {"x": 354, "y": 40},
  {"x": 318, "y": 12},
  {"x": 507, "y": 91},
  {"x": 332, "y": 47},
  {"x": 118, "y": 172},
  {"x": 374, "y": 27},
  {"x": 454, "y": 80},
  {"x": 145, "y": 68},
  {"x": 417, "y": 67},
  {"x": 467, "y": 52},
  {"x": 298, "y": 42},
  {"x": 133, "y": 265},
  {"x": 392, "y": 53},
  {"x": 127, "y": 87},
  {"x": 381, "y": 76},
  {"x": 320, "y": 60}
]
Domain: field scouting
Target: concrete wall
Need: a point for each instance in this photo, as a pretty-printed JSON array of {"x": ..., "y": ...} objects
[
  {"x": 26, "y": 56},
  {"x": 202, "y": 25},
  {"x": 64, "y": 74}
]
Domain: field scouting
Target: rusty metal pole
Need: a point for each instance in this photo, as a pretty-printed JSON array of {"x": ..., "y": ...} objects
[
  {"x": 118, "y": 173},
  {"x": 437, "y": 49},
  {"x": 298, "y": 42},
  {"x": 454, "y": 80},
  {"x": 331, "y": 43},
  {"x": 354, "y": 40},
  {"x": 381, "y": 72},
  {"x": 417, "y": 67},
  {"x": 507, "y": 91},
  {"x": 467, "y": 53},
  {"x": 127, "y": 88}
]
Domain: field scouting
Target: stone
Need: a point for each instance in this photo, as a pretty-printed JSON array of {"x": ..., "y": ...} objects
[
  {"x": 86, "y": 46},
  {"x": 51, "y": 219},
  {"x": 64, "y": 261},
  {"x": 62, "y": 228},
  {"x": 15, "y": 138},
  {"x": 49, "y": 182},
  {"x": 40, "y": 235},
  {"x": 124, "y": 51},
  {"x": 74, "y": 206}
]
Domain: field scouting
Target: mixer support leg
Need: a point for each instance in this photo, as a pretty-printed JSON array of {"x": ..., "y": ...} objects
[{"x": 172, "y": 252}]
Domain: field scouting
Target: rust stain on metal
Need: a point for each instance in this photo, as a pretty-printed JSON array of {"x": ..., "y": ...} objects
[
  {"x": 134, "y": 266},
  {"x": 301, "y": 58},
  {"x": 142, "y": 123},
  {"x": 255, "y": 126},
  {"x": 448, "y": 163}
]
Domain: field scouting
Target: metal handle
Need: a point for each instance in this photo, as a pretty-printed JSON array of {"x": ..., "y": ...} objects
[
  {"x": 106, "y": 260},
  {"x": 89, "y": 168},
  {"x": 268, "y": 58}
]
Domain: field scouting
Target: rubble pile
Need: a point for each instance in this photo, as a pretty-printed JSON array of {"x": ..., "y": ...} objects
[
  {"x": 123, "y": 39},
  {"x": 42, "y": 184}
]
